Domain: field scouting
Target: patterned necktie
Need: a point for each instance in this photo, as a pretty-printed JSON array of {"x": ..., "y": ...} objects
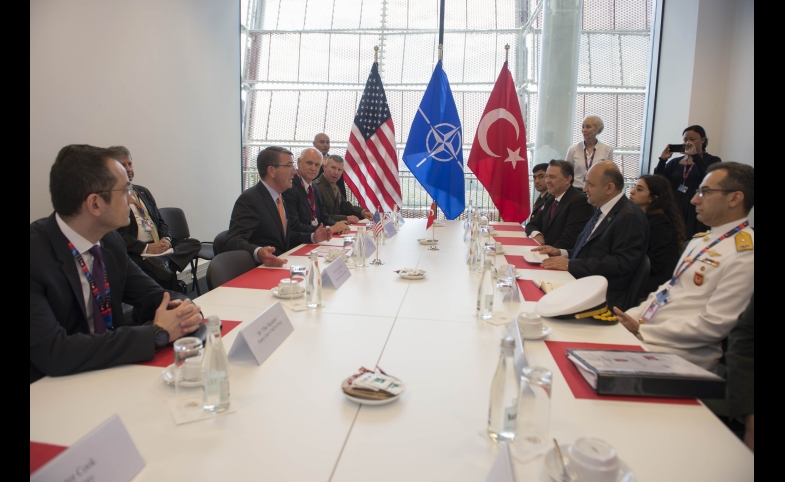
[
  {"x": 279, "y": 201},
  {"x": 553, "y": 210},
  {"x": 312, "y": 202},
  {"x": 587, "y": 230},
  {"x": 99, "y": 277}
]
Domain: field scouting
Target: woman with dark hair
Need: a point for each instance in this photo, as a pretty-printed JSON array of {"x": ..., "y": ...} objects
[
  {"x": 685, "y": 174},
  {"x": 653, "y": 195}
]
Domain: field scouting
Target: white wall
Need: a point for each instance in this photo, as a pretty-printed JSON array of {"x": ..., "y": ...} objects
[
  {"x": 706, "y": 76},
  {"x": 161, "y": 78}
]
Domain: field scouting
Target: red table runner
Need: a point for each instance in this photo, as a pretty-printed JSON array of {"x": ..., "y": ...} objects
[
  {"x": 507, "y": 227},
  {"x": 516, "y": 241},
  {"x": 581, "y": 388},
  {"x": 41, "y": 453},
  {"x": 304, "y": 251},
  {"x": 529, "y": 290},
  {"x": 521, "y": 263},
  {"x": 165, "y": 356},
  {"x": 258, "y": 278}
]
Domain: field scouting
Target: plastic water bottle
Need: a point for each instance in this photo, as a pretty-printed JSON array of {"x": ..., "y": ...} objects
[
  {"x": 485, "y": 293},
  {"x": 359, "y": 247},
  {"x": 313, "y": 284},
  {"x": 503, "y": 409},
  {"x": 215, "y": 370}
]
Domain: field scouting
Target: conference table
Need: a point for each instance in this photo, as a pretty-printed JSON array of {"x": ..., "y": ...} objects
[{"x": 292, "y": 421}]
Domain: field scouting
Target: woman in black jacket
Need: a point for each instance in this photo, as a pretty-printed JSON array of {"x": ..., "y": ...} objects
[
  {"x": 686, "y": 173},
  {"x": 653, "y": 195}
]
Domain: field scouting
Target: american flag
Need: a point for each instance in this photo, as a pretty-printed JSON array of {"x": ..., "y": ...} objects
[
  {"x": 378, "y": 229},
  {"x": 371, "y": 169}
]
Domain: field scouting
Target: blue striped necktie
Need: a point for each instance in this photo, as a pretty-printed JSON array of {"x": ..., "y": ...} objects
[{"x": 587, "y": 230}]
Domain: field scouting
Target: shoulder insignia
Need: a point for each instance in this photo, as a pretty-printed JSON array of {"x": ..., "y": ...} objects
[
  {"x": 744, "y": 242},
  {"x": 700, "y": 235}
]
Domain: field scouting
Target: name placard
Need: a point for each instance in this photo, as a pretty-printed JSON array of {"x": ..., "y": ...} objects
[
  {"x": 370, "y": 246},
  {"x": 105, "y": 454},
  {"x": 401, "y": 221},
  {"x": 335, "y": 274},
  {"x": 264, "y": 334},
  {"x": 389, "y": 229}
]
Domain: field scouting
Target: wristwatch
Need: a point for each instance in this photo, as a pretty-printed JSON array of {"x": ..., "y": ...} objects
[{"x": 161, "y": 337}]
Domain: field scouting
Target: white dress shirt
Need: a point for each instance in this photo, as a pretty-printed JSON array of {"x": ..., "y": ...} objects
[
  {"x": 558, "y": 200},
  {"x": 83, "y": 246},
  {"x": 602, "y": 152},
  {"x": 605, "y": 208},
  {"x": 706, "y": 300}
]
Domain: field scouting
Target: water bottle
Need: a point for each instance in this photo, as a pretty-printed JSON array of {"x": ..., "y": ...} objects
[
  {"x": 359, "y": 247},
  {"x": 476, "y": 252},
  {"x": 313, "y": 284},
  {"x": 485, "y": 293},
  {"x": 503, "y": 409},
  {"x": 215, "y": 370}
]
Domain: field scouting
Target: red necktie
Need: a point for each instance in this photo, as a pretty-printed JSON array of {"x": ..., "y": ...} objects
[
  {"x": 312, "y": 202},
  {"x": 553, "y": 209},
  {"x": 99, "y": 324}
]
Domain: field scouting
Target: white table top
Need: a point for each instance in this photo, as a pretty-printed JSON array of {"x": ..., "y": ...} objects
[{"x": 293, "y": 422}]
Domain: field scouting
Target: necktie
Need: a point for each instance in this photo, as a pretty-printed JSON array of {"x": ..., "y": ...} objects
[
  {"x": 587, "y": 230},
  {"x": 99, "y": 277},
  {"x": 553, "y": 210},
  {"x": 312, "y": 203},
  {"x": 336, "y": 192},
  {"x": 146, "y": 216},
  {"x": 279, "y": 201}
]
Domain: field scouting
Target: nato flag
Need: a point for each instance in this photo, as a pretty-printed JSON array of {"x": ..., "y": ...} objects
[{"x": 434, "y": 150}]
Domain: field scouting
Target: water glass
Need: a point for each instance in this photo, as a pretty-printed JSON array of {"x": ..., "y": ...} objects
[
  {"x": 188, "y": 371},
  {"x": 534, "y": 406}
]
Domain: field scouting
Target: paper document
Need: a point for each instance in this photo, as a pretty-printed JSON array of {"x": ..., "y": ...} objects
[{"x": 148, "y": 255}]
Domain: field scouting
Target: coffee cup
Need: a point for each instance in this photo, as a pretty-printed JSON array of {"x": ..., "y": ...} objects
[
  {"x": 594, "y": 460},
  {"x": 287, "y": 286},
  {"x": 530, "y": 324},
  {"x": 334, "y": 254},
  {"x": 499, "y": 247},
  {"x": 192, "y": 369}
]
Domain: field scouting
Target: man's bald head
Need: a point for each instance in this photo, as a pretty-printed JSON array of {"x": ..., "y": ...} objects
[
  {"x": 322, "y": 143},
  {"x": 308, "y": 164},
  {"x": 603, "y": 182},
  {"x": 612, "y": 174}
]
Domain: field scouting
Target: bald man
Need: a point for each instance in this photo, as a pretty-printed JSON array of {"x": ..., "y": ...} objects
[
  {"x": 322, "y": 143},
  {"x": 614, "y": 241}
]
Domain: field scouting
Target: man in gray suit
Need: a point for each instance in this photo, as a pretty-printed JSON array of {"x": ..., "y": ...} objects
[{"x": 337, "y": 206}]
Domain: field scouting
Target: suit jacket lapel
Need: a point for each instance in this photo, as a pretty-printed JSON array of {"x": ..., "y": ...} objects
[
  {"x": 267, "y": 200},
  {"x": 608, "y": 219},
  {"x": 67, "y": 263}
]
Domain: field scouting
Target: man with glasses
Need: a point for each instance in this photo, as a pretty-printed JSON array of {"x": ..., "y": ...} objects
[
  {"x": 80, "y": 275},
  {"x": 259, "y": 222},
  {"x": 713, "y": 282}
]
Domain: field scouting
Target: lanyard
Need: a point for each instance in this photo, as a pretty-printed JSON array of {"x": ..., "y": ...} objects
[
  {"x": 138, "y": 204},
  {"x": 586, "y": 161},
  {"x": 311, "y": 198},
  {"x": 103, "y": 304},
  {"x": 689, "y": 261},
  {"x": 685, "y": 173}
]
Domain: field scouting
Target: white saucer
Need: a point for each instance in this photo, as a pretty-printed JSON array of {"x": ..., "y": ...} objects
[
  {"x": 428, "y": 241},
  {"x": 409, "y": 276},
  {"x": 168, "y": 376},
  {"x": 546, "y": 330},
  {"x": 299, "y": 291},
  {"x": 554, "y": 468},
  {"x": 365, "y": 401}
]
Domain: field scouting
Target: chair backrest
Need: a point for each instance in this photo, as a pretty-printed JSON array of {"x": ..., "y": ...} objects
[
  {"x": 636, "y": 283},
  {"x": 227, "y": 266},
  {"x": 220, "y": 242},
  {"x": 175, "y": 219}
]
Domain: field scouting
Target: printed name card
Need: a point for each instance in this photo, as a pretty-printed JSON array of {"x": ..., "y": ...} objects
[
  {"x": 389, "y": 229},
  {"x": 370, "y": 246},
  {"x": 105, "y": 454},
  {"x": 264, "y": 334},
  {"x": 335, "y": 274}
]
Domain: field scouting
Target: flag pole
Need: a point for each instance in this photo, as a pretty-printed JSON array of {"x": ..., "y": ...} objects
[
  {"x": 376, "y": 53},
  {"x": 506, "y": 52},
  {"x": 433, "y": 246}
]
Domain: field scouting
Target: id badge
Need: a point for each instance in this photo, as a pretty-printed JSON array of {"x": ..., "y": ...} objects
[
  {"x": 650, "y": 311},
  {"x": 147, "y": 225},
  {"x": 682, "y": 188},
  {"x": 314, "y": 222}
]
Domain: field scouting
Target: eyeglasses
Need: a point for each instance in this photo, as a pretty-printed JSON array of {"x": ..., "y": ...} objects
[
  {"x": 286, "y": 166},
  {"x": 128, "y": 190},
  {"x": 703, "y": 191}
]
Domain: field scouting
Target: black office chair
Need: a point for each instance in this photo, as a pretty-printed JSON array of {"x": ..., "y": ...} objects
[
  {"x": 220, "y": 242},
  {"x": 227, "y": 266},
  {"x": 637, "y": 283},
  {"x": 178, "y": 229}
]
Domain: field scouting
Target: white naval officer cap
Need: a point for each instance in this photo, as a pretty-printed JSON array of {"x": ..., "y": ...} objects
[{"x": 582, "y": 298}]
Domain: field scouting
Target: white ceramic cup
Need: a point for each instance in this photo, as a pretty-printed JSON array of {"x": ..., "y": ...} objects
[
  {"x": 594, "y": 460},
  {"x": 334, "y": 254},
  {"x": 530, "y": 324},
  {"x": 192, "y": 369},
  {"x": 287, "y": 286},
  {"x": 499, "y": 247}
]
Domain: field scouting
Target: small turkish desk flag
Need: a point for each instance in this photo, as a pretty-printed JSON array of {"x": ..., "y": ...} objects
[
  {"x": 431, "y": 216},
  {"x": 498, "y": 156}
]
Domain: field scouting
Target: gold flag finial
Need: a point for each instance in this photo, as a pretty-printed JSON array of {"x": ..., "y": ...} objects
[
  {"x": 441, "y": 49},
  {"x": 506, "y": 52},
  {"x": 376, "y": 54}
]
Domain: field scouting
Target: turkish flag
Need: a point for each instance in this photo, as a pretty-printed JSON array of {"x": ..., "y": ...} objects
[
  {"x": 498, "y": 157},
  {"x": 431, "y": 216}
]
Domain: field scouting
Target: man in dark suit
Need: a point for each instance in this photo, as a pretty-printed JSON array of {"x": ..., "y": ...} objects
[
  {"x": 336, "y": 204},
  {"x": 564, "y": 214},
  {"x": 80, "y": 275},
  {"x": 538, "y": 175},
  {"x": 304, "y": 203},
  {"x": 614, "y": 240},
  {"x": 259, "y": 222}
]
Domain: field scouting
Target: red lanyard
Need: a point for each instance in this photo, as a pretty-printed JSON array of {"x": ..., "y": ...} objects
[
  {"x": 588, "y": 163},
  {"x": 686, "y": 173},
  {"x": 138, "y": 204},
  {"x": 104, "y": 304}
]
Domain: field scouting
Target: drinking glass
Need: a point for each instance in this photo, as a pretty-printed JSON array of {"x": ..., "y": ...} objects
[
  {"x": 534, "y": 406},
  {"x": 188, "y": 373}
]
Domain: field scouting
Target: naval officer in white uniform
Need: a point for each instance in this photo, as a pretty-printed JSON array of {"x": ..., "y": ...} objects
[{"x": 692, "y": 313}]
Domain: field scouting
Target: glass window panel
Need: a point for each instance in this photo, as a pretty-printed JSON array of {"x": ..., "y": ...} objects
[
  {"x": 291, "y": 15},
  {"x": 283, "y": 57},
  {"x": 283, "y": 106},
  {"x": 347, "y": 13},
  {"x": 314, "y": 57},
  {"x": 371, "y": 14},
  {"x": 343, "y": 57},
  {"x": 318, "y": 15},
  {"x": 311, "y": 111}
]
